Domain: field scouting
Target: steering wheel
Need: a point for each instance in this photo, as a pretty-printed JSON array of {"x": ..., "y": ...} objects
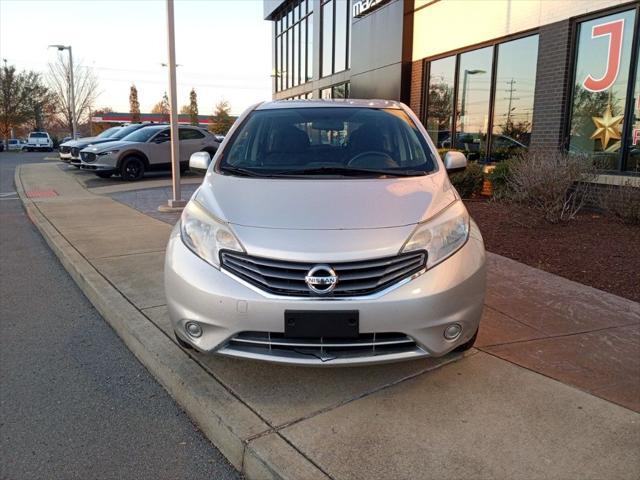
[{"x": 374, "y": 159}]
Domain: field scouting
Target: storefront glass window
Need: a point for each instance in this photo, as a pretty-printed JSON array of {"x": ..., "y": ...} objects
[
  {"x": 310, "y": 46},
  {"x": 514, "y": 91},
  {"x": 600, "y": 87},
  {"x": 327, "y": 38},
  {"x": 294, "y": 50},
  {"x": 472, "y": 112},
  {"x": 440, "y": 102},
  {"x": 325, "y": 93},
  {"x": 341, "y": 91},
  {"x": 303, "y": 51},
  {"x": 632, "y": 163},
  {"x": 340, "y": 56},
  {"x": 295, "y": 56}
]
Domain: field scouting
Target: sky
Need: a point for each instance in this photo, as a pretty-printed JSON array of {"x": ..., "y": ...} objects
[{"x": 223, "y": 47}]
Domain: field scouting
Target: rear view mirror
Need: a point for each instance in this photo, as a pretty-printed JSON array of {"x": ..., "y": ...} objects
[
  {"x": 455, "y": 161},
  {"x": 199, "y": 162}
]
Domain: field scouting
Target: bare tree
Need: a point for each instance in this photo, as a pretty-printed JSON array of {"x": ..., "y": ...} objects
[
  {"x": 162, "y": 108},
  {"x": 86, "y": 90}
]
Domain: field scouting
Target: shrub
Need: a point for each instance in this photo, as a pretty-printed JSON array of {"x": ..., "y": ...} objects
[
  {"x": 622, "y": 202},
  {"x": 555, "y": 184},
  {"x": 499, "y": 177},
  {"x": 468, "y": 182}
]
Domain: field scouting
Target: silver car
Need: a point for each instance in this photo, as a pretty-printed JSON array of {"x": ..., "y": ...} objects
[
  {"x": 326, "y": 233},
  {"x": 146, "y": 149}
]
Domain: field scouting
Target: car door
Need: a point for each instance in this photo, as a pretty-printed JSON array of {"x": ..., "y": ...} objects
[
  {"x": 158, "y": 150},
  {"x": 191, "y": 141}
]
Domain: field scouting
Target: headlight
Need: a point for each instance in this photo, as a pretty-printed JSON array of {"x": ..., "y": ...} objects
[
  {"x": 441, "y": 236},
  {"x": 206, "y": 235},
  {"x": 107, "y": 153}
]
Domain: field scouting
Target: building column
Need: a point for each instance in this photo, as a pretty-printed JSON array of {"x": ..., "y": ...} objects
[{"x": 551, "y": 106}]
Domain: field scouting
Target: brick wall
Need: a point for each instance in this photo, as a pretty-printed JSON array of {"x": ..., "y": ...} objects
[
  {"x": 415, "y": 90},
  {"x": 552, "y": 86}
]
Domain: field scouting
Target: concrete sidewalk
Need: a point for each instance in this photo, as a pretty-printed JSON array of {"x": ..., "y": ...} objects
[{"x": 476, "y": 416}]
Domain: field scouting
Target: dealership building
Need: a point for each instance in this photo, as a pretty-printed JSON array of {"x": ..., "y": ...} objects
[{"x": 488, "y": 77}]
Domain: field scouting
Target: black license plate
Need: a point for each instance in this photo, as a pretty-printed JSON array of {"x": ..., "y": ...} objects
[{"x": 319, "y": 323}]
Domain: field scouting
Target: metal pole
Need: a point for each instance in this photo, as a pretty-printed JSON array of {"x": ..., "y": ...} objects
[
  {"x": 176, "y": 201},
  {"x": 73, "y": 96}
]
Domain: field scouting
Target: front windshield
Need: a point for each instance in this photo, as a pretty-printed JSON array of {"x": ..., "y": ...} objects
[
  {"x": 109, "y": 132},
  {"x": 328, "y": 141},
  {"x": 142, "y": 134},
  {"x": 124, "y": 131}
]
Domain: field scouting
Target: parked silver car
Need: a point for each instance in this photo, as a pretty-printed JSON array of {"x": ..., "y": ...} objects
[
  {"x": 326, "y": 233},
  {"x": 146, "y": 149}
]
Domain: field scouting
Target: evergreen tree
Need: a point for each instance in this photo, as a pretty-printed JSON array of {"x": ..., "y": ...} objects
[
  {"x": 134, "y": 105},
  {"x": 193, "y": 107}
]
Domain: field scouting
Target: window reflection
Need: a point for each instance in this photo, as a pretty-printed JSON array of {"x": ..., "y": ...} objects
[
  {"x": 472, "y": 112},
  {"x": 633, "y": 135},
  {"x": 440, "y": 100},
  {"x": 514, "y": 92},
  {"x": 600, "y": 87}
]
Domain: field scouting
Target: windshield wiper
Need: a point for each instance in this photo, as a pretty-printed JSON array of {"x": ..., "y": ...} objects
[
  {"x": 350, "y": 172},
  {"x": 244, "y": 172}
]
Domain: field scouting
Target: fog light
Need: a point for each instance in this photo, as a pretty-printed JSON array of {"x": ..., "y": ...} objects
[
  {"x": 193, "y": 329},
  {"x": 452, "y": 332}
]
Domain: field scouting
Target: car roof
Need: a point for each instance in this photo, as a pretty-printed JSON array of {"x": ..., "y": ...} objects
[{"x": 345, "y": 103}]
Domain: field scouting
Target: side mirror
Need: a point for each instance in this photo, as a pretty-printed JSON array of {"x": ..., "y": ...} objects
[
  {"x": 455, "y": 161},
  {"x": 199, "y": 162}
]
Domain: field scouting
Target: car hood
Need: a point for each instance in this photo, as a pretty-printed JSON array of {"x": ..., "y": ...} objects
[
  {"x": 325, "y": 203},
  {"x": 106, "y": 146},
  {"x": 85, "y": 142}
]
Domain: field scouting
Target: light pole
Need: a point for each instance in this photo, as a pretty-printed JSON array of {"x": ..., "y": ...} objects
[
  {"x": 464, "y": 94},
  {"x": 72, "y": 89},
  {"x": 176, "y": 202}
]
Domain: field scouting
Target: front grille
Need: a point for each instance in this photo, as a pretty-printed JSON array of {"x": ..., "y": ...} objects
[
  {"x": 354, "y": 278},
  {"x": 88, "y": 157},
  {"x": 65, "y": 149},
  {"x": 324, "y": 349},
  {"x": 75, "y": 152}
]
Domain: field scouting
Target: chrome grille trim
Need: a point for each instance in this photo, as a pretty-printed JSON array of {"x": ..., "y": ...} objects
[
  {"x": 357, "y": 278},
  {"x": 367, "y": 348}
]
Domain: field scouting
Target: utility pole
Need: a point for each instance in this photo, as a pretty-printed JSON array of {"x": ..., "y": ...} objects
[
  {"x": 511, "y": 89},
  {"x": 72, "y": 94},
  {"x": 176, "y": 202}
]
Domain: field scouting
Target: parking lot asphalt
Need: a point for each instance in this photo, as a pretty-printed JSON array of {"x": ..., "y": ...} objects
[{"x": 74, "y": 401}]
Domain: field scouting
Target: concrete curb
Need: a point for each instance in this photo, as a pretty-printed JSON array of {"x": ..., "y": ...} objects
[{"x": 247, "y": 441}]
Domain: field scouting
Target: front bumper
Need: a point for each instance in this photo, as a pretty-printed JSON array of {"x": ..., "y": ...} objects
[
  {"x": 97, "y": 166},
  {"x": 65, "y": 156},
  {"x": 228, "y": 308}
]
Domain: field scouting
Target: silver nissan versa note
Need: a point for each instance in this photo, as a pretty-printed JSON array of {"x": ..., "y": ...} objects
[{"x": 326, "y": 233}]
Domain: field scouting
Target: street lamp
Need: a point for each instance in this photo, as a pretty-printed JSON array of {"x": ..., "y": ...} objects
[
  {"x": 176, "y": 202},
  {"x": 464, "y": 93},
  {"x": 72, "y": 87}
]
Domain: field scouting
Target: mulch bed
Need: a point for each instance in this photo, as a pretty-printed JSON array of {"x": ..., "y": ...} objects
[{"x": 592, "y": 249}]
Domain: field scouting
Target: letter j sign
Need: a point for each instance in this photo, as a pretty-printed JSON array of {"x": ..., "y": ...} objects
[{"x": 614, "y": 31}]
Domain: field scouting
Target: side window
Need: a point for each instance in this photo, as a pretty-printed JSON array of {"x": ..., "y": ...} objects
[
  {"x": 163, "y": 136},
  {"x": 190, "y": 134}
]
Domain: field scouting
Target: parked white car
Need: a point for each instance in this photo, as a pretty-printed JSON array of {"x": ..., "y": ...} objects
[
  {"x": 146, "y": 149},
  {"x": 38, "y": 141},
  {"x": 14, "y": 144}
]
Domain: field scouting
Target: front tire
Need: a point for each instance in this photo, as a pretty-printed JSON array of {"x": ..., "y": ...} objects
[{"x": 132, "y": 169}]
